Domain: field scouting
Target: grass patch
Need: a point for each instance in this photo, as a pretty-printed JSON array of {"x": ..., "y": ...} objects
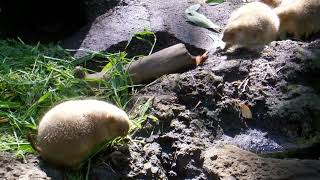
[{"x": 34, "y": 78}]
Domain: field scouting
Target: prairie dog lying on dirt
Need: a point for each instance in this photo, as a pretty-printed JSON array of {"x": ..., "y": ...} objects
[
  {"x": 299, "y": 18},
  {"x": 69, "y": 131},
  {"x": 252, "y": 26}
]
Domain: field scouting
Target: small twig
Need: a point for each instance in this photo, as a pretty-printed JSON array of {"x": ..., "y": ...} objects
[
  {"x": 197, "y": 105},
  {"x": 242, "y": 83},
  {"x": 134, "y": 105},
  {"x": 88, "y": 170},
  {"x": 153, "y": 82},
  {"x": 109, "y": 167},
  {"x": 245, "y": 85},
  {"x": 201, "y": 59},
  {"x": 133, "y": 141}
]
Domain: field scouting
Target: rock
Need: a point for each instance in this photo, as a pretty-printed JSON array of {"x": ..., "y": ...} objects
[
  {"x": 254, "y": 140},
  {"x": 226, "y": 161},
  {"x": 303, "y": 104},
  {"x": 33, "y": 175},
  {"x": 117, "y": 26},
  {"x": 12, "y": 168}
]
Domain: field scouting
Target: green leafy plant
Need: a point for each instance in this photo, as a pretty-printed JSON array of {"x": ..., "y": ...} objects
[
  {"x": 214, "y": 1},
  {"x": 144, "y": 36},
  {"x": 35, "y": 78}
]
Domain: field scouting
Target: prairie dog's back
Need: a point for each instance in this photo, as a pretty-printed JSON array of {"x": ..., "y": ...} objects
[
  {"x": 272, "y": 3},
  {"x": 276, "y": 3},
  {"x": 72, "y": 116},
  {"x": 300, "y": 18},
  {"x": 78, "y": 109},
  {"x": 255, "y": 13},
  {"x": 254, "y": 9}
]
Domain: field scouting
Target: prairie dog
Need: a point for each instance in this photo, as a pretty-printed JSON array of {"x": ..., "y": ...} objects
[
  {"x": 68, "y": 132},
  {"x": 299, "y": 18},
  {"x": 272, "y": 3},
  {"x": 276, "y": 3},
  {"x": 253, "y": 25}
]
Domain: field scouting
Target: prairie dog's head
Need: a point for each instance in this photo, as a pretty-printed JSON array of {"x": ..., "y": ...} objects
[
  {"x": 237, "y": 33},
  {"x": 110, "y": 119},
  {"x": 287, "y": 17},
  {"x": 118, "y": 125},
  {"x": 229, "y": 34}
]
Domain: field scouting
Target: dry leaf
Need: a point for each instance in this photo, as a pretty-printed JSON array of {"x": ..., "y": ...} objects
[
  {"x": 201, "y": 59},
  {"x": 245, "y": 111}
]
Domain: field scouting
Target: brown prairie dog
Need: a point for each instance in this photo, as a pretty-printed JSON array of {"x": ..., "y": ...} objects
[
  {"x": 69, "y": 131},
  {"x": 276, "y": 3},
  {"x": 272, "y": 3},
  {"x": 253, "y": 25},
  {"x": 299, "y": 18}
]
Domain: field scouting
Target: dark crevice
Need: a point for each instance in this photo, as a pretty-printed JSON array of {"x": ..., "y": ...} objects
[{"x": 47, "y": 21}]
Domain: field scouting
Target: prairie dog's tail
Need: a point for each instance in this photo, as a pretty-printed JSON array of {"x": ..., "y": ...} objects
[{"x": 32, "y": 142}]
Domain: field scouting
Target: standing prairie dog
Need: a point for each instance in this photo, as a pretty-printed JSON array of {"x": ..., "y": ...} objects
[
  {"x": 253, "y": 26},
  {"x": 69, "y": 131},
  {"x": 299, "y": 18}
]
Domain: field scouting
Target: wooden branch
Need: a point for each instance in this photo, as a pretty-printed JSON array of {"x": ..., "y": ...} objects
[
  {"x": 148, "y": 68},
  {"x": 166, "y": 61}
]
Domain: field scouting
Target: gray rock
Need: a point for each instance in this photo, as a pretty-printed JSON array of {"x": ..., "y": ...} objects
[
  {"x": 12, "y": 168},
  {"x": 120, "y": 23},
  {"x": 253, "y": 140},
  {"x": 229, "y": 161}
]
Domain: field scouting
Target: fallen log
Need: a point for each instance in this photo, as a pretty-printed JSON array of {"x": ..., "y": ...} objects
[{"x": 166, "y": 61}]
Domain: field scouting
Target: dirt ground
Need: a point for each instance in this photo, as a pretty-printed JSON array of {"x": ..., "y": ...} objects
[{"x": 198, "y": 110}]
